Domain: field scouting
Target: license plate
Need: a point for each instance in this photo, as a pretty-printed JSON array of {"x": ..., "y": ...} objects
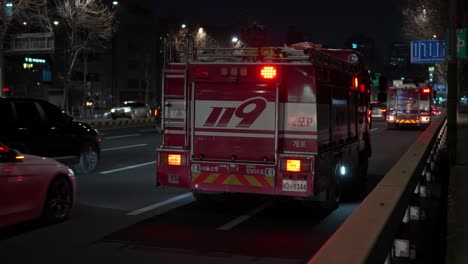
[
  {"x": 173, "y": 178},
  {"x": 294, "y": 186}
]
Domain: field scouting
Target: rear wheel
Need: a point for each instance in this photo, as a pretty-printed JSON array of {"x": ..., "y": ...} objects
[
  {"x": 333, "y": 195},
  {"x": 88, "y": 159},
  {"x": 59, "y": 201}
]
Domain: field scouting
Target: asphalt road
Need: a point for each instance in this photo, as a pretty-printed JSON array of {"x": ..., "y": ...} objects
[{"x": 121, "y": 217}]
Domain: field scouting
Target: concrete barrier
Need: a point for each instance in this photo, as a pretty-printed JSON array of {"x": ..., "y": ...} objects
[
  {"x": 118, "y": 123},
  {"x": 369, "y": 235}
]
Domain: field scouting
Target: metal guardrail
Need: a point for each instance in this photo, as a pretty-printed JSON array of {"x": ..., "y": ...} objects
[{"x": 371, "y": 234}]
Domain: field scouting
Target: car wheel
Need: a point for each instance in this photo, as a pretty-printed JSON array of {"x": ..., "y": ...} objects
[
  {"x": 88, "y": 159},
  {"x": 59, "y": 201}
]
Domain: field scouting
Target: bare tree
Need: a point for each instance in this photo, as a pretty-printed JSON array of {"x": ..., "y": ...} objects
[
  {"x": 88, "y": 25},
  {"x": 11, "y": 12}
]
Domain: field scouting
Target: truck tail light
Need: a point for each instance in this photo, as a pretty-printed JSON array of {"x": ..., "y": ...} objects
[
  {"x": 295, "y": 165},
  {"x": 426, "y": 90},
  {"x": 268, "y": 72},
  {"x": 391, "y": 118},
  {"x": 355, "y": 83},
  {"x": 172, "y": 159},
  {"x": 425, "y": 118}
]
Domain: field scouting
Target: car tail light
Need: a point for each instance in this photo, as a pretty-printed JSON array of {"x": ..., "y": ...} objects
[
  {"x": 426, "y": 90},
  {"x": 268, "y": 72},
  {"x": 173, "y": 159},
  {"x": 383, "y": 110}
]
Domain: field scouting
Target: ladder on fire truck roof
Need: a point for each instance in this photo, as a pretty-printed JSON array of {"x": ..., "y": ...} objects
[{"x": 177, "y": 51}]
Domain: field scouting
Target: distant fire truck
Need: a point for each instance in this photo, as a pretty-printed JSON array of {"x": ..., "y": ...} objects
[
  {"x": 288, "y": 121},
  {"x": 409, "y": 105}
]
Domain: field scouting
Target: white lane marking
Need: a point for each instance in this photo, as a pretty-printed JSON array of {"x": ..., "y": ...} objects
[
  {"x": 243, "y": 218},
  {"x": 123, "y": 136},
  {"x": 125, "y": 147},
  {"x": 374, "y": 129},
  {"x": 148, "y": 130},
  {"x": 128, "y": 167},
  {"x": 160, "y": 204}
]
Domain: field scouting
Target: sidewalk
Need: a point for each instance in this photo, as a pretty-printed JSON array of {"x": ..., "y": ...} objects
[{"x": 457, "y": 208}]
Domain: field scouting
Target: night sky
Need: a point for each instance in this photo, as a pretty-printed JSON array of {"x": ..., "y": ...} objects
[{"x": 328, "y": 22}]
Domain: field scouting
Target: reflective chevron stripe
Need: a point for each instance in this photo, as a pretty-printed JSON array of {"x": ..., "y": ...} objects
[
  {"x": 238, "y": 180},
  {"x": 407, "y": 121}
]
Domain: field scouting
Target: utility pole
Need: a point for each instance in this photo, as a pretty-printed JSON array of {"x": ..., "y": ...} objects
[{"x": 452, "y": 80}]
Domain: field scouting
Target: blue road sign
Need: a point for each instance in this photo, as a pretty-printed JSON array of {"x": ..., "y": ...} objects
[
  {"x": 440, "y": 87},
  {"x": 427, "y": 51}
]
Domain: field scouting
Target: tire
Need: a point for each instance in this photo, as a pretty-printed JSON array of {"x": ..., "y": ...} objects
[
  {"x": 58, "y": 202},
  {"x": 333, "y": 196},
  {"x": 88, "y": 159}
]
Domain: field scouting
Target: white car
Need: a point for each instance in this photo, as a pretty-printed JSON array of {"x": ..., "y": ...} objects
[
  {"x": 34, "y": 187},
  {"x": 131, "y": 109}
]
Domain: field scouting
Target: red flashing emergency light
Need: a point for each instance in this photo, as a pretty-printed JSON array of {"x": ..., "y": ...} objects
[
  {"x": 268, "y": 72},
  {"x": 426, "y": 90}
]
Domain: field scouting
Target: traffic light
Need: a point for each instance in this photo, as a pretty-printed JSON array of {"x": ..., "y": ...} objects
[{"x": 6, "y": 91}]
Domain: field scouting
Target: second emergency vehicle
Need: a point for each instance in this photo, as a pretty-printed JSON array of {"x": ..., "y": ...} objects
[
  {"x": 409, "y": 105},
  {"x": 289, "y": 121}
]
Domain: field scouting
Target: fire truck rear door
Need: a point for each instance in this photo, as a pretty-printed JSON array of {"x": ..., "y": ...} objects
[{"x": 234, "y": 122}]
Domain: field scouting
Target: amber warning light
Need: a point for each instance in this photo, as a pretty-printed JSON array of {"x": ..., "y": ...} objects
[{"x": 268, "y": 72}]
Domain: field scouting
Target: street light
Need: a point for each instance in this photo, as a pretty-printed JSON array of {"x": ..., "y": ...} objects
[
  {"x": 200, "y": 30},
  {"x": 234, "y": 39},
  {"x": 56, "y": 23},
  {"x": 183, "y": 26},
  {"x": 114, "y": 3}
]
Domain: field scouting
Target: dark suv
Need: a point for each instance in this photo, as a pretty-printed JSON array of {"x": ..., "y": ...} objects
[{"x": 37, "y": 127}]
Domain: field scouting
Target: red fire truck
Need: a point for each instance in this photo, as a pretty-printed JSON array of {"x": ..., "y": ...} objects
[
  {"x": 409, "y": 105},
  {"x": 287, "y": 121}
]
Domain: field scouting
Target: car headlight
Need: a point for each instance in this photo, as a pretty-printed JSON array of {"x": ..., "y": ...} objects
[
  {"x": 127, "y": 109},
  {"x": 70, "y": 172},
  {"x": 112, "y": 110}
]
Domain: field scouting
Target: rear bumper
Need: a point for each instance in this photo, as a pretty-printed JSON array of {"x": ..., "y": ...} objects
[{"x": 234, "y": 177}]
